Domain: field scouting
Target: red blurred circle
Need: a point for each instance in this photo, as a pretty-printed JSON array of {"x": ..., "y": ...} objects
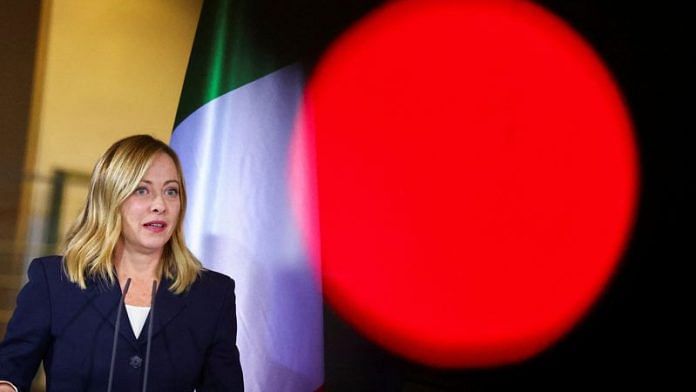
[{"x": 476, "y": 178}]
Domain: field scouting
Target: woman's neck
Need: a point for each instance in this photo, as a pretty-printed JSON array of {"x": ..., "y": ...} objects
[
  {"x": 136, "y": 266},
  {"x": 142, "y": 270}
]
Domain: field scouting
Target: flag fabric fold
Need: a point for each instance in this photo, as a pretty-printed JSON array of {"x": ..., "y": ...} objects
[{"x": 234, "y": 134}]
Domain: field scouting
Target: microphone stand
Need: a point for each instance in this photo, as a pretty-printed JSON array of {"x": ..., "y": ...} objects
[
  {"x": 149, "y": 334},
  {"x": 116, "y": 329}
]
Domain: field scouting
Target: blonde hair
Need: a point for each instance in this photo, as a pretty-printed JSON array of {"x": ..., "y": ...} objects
[{"x": 90, "y": 243}]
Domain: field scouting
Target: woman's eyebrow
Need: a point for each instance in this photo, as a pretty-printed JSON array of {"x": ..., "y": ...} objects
[{"x": 165, "y": 183}]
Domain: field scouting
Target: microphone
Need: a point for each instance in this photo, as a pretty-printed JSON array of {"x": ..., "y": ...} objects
[
  {"x": 116, "y": 329},
  {"x": 149, "y": 334}
]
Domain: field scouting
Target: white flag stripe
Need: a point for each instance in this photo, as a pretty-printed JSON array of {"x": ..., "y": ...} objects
[{"x": 235, "y": 153}]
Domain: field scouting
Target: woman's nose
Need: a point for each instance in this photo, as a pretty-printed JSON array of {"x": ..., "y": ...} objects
[{"x": 158, "y": 204}]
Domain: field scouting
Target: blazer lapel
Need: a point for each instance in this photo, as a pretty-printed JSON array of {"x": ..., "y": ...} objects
[
  {"x": 167, "y": 306},
  {"x": 106, "y": 298}
]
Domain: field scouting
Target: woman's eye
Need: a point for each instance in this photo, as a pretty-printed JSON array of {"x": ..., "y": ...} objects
[
  {"x": 172, "y": 192},
  {"x": 140, "y": 191}
]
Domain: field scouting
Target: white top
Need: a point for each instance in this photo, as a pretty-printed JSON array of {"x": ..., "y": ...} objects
[{"x": 137, "y": 316}]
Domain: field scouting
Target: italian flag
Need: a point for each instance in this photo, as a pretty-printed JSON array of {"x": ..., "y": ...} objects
[{"x": 234, "y": 133}]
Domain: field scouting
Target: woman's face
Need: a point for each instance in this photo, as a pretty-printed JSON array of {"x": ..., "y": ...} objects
[{"x": 150, "y": 214}]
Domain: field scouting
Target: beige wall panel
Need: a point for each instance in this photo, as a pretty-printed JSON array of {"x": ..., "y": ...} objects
[
  {"x": 110, "y": 68},
  {"x": 113, "y": 68}
]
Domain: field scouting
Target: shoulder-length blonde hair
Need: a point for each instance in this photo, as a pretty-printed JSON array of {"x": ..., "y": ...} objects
[{"x": 90, "y": 243}]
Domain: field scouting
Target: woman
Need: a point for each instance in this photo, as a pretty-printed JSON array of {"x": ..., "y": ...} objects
[{"x": 177, "y": 330}]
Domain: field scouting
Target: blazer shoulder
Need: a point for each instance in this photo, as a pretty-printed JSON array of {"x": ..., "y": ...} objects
[
  {"x": 51, "y": 269},
  {"x": 51, "y": 261},
  {"x": 51, "y": 265},
  {"x": 214, "y": 281}
]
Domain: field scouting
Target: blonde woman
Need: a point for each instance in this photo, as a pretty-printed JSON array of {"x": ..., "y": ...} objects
[{"x": 127, "y": 307}]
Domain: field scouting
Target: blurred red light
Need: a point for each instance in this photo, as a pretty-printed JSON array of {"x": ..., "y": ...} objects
[{"x": 476, "y": 178}]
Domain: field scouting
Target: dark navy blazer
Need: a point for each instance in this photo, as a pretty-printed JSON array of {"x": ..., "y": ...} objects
[{"x": 71, "y": 330}]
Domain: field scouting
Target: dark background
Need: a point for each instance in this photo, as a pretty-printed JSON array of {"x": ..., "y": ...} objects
[
  {"x": 632, "y": 336},
  {"x": 636, "y": 334}
]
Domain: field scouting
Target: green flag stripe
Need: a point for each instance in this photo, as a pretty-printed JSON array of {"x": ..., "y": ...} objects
[{"x": 223, "y": 56}]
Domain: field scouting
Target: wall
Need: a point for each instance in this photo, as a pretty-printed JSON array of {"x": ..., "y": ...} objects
[
  {"x": 75, "y": 77},
  {"x": 112, "y": 68}
]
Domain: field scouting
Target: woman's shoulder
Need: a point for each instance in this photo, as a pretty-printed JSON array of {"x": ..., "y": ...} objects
[
  {"x": 51, "y": 270},
  {"x": 210, "y": 280},
  {"x": 49, "y": 265}
]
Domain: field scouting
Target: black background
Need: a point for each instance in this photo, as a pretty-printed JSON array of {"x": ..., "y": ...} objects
[{"x": 635, "y": 336}]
